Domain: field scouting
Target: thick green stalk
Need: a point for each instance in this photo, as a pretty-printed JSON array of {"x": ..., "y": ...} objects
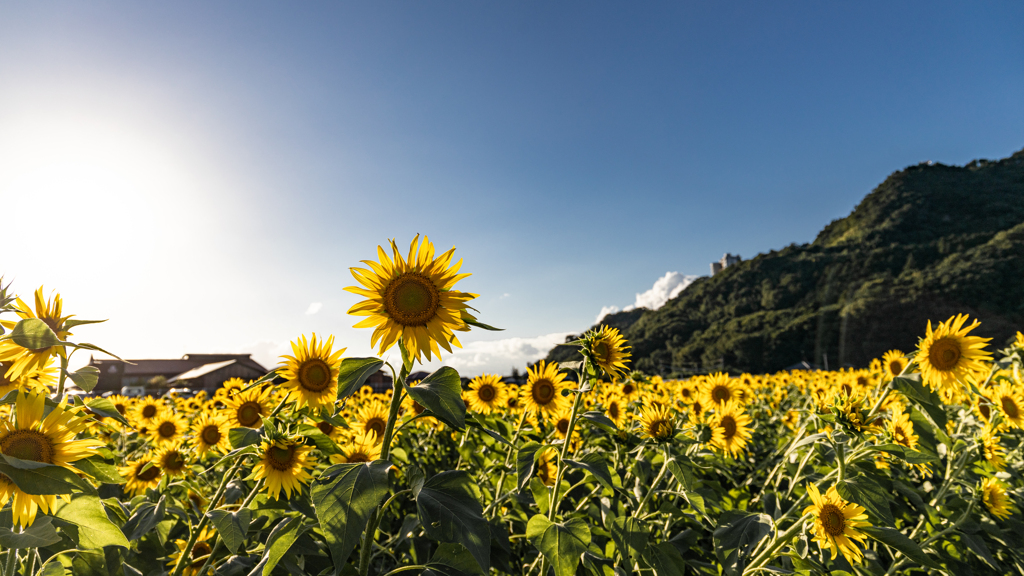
[
  {"x": 508, "y": 460},
  {"x": 555, "y": 497},
  {"x": 186, "y": 552},
  {"x": 780, "y": 541},
  {"x": 654, "y": 485},
  {"x": 12, "y": 559}
]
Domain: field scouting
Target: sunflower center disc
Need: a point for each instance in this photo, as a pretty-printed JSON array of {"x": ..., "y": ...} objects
[
  {"x": 563, "y": 426},
  {"x": 4, "y": 367},
  {"x": 28, "y": 445},
  {"x": 249, "y": 414},
  {"x": 720, "y": 394},
  {"x": 486, "y": 393},
  {"x": 944, "y": 354},
  {"x": 167, "y": 430},
  {"x": 832, "y": 519},
  {"x": 280, "y": 458},
  {"x": 601, "y": 352},
  {"x": 543, "y": 392},
  {"x": 325, "y": 427},
  {"x": 211, "y": 435},
  {"x": 174, "y": 462},
  {"x": 358, "y": 456},
  {"x": 1010, "y": 408},
  {"x": 411, "y": 299},
  {"x": 148, "y": 474},
  {"x": 315, "y": 375},
  {"x": 613, "y": 411},
  {"x": 729, "y": 425},
  {"x": 377, "y": 426},
  {"x": 627, "y": 389},
  {"x": 148, "y": 411},
  {"x": 895, "y": 367}
]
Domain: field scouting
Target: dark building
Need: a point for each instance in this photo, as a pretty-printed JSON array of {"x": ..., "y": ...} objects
[{"x": 197, "y": 371}]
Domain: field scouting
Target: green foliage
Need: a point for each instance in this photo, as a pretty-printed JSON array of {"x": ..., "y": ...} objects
[{"x": 929, "y": 242}]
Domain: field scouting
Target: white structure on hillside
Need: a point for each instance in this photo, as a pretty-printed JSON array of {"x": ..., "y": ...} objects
[{"x": 725, "y": 262}]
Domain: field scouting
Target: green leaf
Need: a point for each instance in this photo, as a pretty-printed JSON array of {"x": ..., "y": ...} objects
[
  {"x": 600, "y": 420},
  {"x": 665, "y": 560},
  {"x": 279, "y": 542},
  {"x": 51, "y": 568},
  {"x": 34, "y": 334},
  {"x": 867, "y": 493},
  {"x": 541, "y": 494},
  {"x": 232, "y": 526},
  {"x": 39, "y": 478},
  {"x": 71, "y": 323},
  {"x": 354, "y": 372},
  {"x": 86, "y": 377},
  {"x": 242, "y": 437},
  {"x": 323, "y": 441},
  {"x": 101, "y": 471},
  {"x": 441, "y": 393},
  {"x": 912, "y": 388},
  {"x": 896, "y": 539},
  {"x": 38, "y": 535},
  {"x": 449, "y": 512},
  {"x": 85, "y": 516},
  {"x": 477, "y": 422},
  {"x": 104, "y": 407},
  {"x": 562, "y": 544},
  {"x": 343, "y": 498},
  {"x": 909, "y": 455},
  {"x": 596, "y": 465},
  {"x": 268, "y": 377},
  {"x": 482, "y": 325},
  {"x": 630, "y": 538},
  {"x": 145, "y": 518},
  {"x": 526, "y": 463},
  {"x": 452, "y": 559},
  {"x": 737, "y": 534}
]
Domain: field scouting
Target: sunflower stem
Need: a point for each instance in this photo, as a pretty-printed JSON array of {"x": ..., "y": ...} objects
[
  {"x": 398, "y": 387},
  {"x": 12, "y": 558},
  {"x": 654, "y": 485},
  {"x": 841, "y": 457},
  {"x": 63, "y": 377},
  {"x": 779, "y": 542},
  {"x": 217, "y": 545},
  {"x": 508, "y": 459},
  {"x": 186, "y": 552},
  {"x": 555, "y": 497}
]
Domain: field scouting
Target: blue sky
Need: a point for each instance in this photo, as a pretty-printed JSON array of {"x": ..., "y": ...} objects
[{"x": 202, "y": 173}]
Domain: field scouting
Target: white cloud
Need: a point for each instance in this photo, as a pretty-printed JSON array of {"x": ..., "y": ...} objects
[
  {"x": 500, "y": 356},
  {"x": 665, "y": 288},
  {"x": 314, "y": 308}
]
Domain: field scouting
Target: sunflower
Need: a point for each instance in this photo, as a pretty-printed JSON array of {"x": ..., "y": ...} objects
[
  {"x": 836, "y": 522},
  {"x": 893, "y": 364},
  {"x": 24, "y": 360},
  {"x": 50, "y": 440},
  {"x": 167, "y": 427},
  {"x": 543, "y": 391},
  {"x": 246, "y": 409},
  {"x": 140, "y": 475},
  {"x": 412, "y": 299},
  {"x": 210, "y": 434},
  {"x": 614, "y": 408},
  {"x": 1011, "y": 402},
  {"x": 333, "y": 432},
  {"x": 311, "y": 375},
  {"x": 791, "y": 419},
  {"x": 362, "y": 448},
  {"x": 993, "y": 494},
  {"x": 947, "y": 355},
  {"x": 512, "y": 402},
  {"x": 172, "y": 459},
  {"x": 719, "y": 389},
  {"x": 546, "y": 469},
  {"x": 730, "y": 428},
  {"x": 283, "y": 462},
  {"x": 901, "y": 428},
  {"x": 608, "y": 349},
  {"x": 147, "y": 409},
  {"x": 372, "y": 419},
  {"x": 201, "y": 550},
  {"x": 33, "y": 380},
  {"x": 657, "y": 423},
  {"x": 994, "y": 452},
  {"x": 121, "y": 403},
  {"x": 486, "y": 393}
]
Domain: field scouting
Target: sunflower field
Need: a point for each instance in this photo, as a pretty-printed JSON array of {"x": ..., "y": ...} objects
[{"x": 909, "y": 466}]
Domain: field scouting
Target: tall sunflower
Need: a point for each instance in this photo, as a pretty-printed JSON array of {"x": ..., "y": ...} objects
[
  {"x": 893, "y": 364},
  {"x": 542, "y": 393},
  {"x": 311, "y": 375},
  {"x": 210, "y": 434},
  {"x": 836, "y": 523},
  {"x": 947, "y": 356},
  {"x": 730, "y": 428},
  {"x": 901, "y": 428},
  {"x": 146, "y": 410},
  {"x": 24, "y": 360},
  {"x": 372, "y": 418},
  {"x": 486, "y": 393},
  {"x": 608, "y": 349},
  {"x": 246, "y": 409},
  {"x": 172, "y": 459},
  {"x": 994, "y": 452},
  {"x": 167, "y": 427},
  {"x": 614, "y": 408},
  {"x": 412, "y": 299},
  {"x": 283, "y": 463},
  {"x": 32, "y": 380},
  {"x": 993, "y": 494},
  {"x": 50, "y": 440}
]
